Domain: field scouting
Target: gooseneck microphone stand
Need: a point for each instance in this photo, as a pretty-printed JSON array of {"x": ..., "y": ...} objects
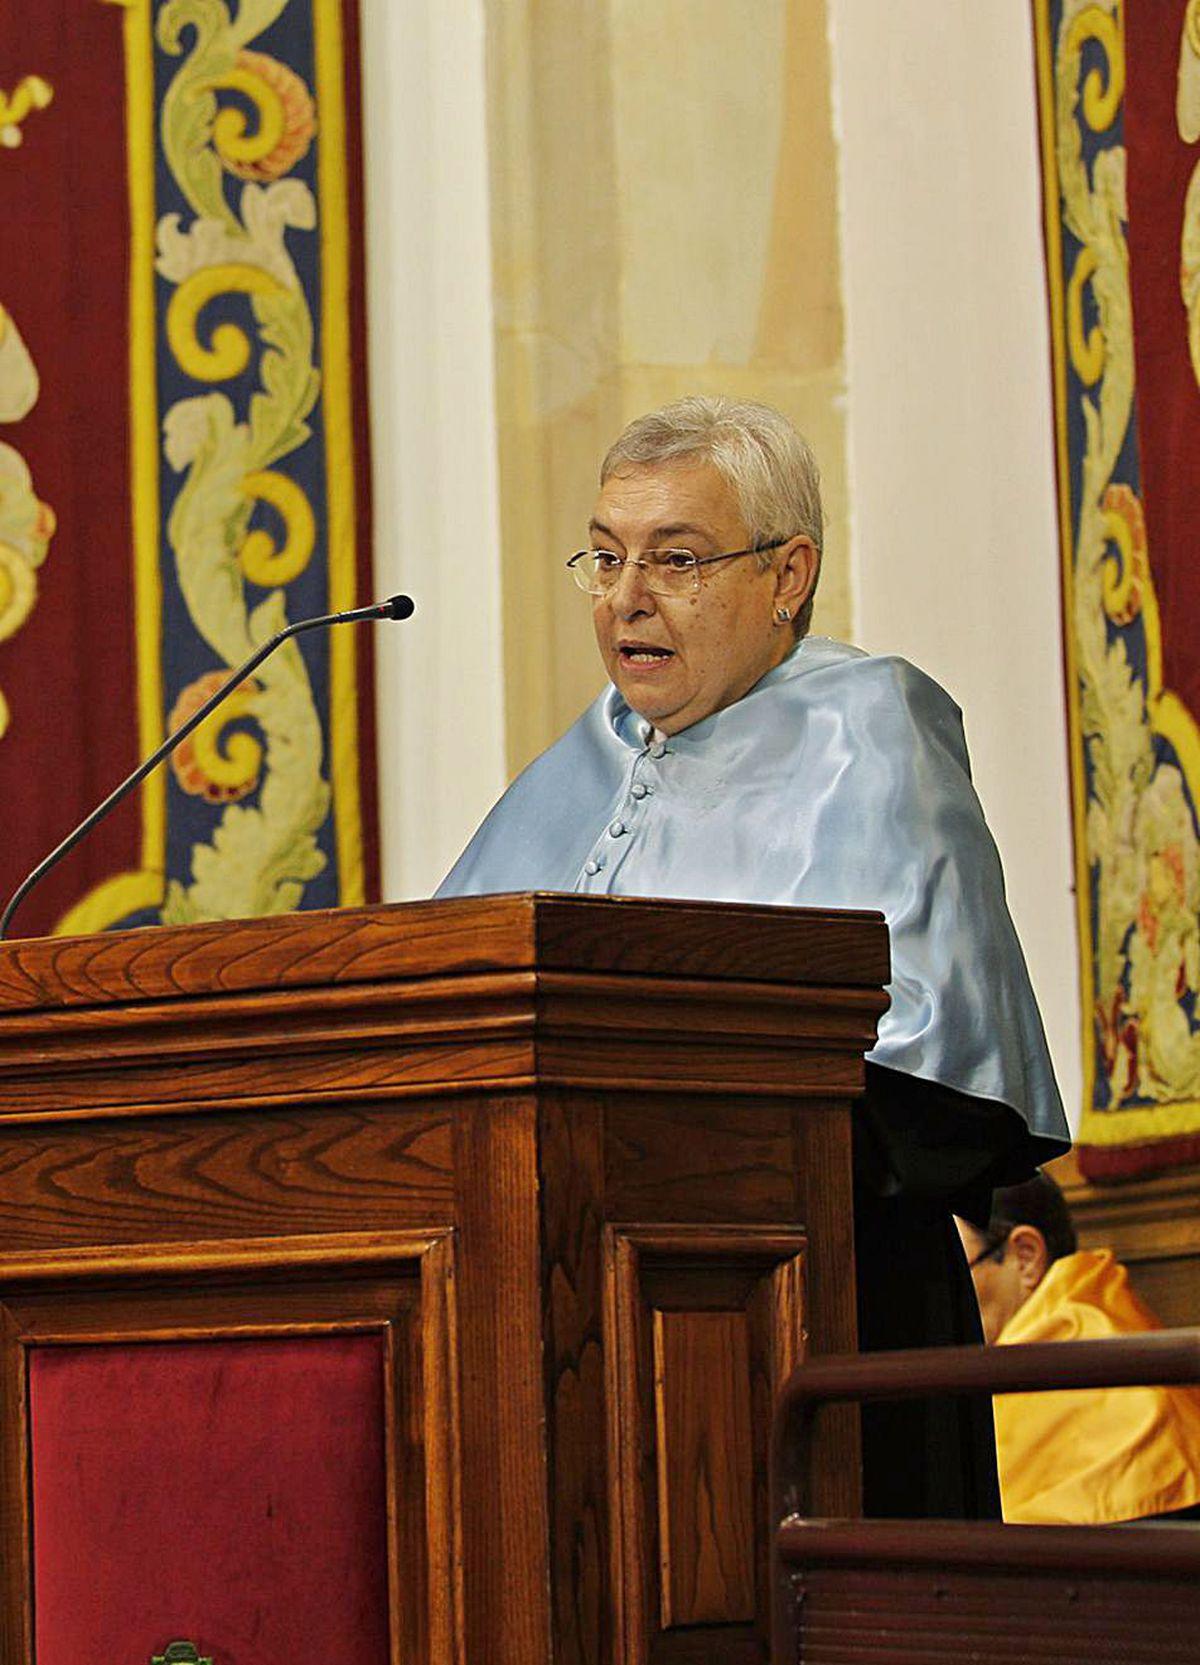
[{"x": 395, "y": 607}]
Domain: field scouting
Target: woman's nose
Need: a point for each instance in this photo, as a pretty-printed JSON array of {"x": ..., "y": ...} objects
[{"x": 631, "y": 594}]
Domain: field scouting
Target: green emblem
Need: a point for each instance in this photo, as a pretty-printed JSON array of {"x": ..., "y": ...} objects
[{"x": 180, "y": 1653}]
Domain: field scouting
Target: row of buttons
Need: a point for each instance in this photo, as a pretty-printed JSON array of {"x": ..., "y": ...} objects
[{"x": 619, "y": 827}]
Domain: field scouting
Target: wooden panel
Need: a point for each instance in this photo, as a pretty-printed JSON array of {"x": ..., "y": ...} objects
[
  {"x": 439, "y": 1035},
  {"x": 295, "y": 1170},
  {"x": 823, "y": 1177},
  {"x": 630, "y": 1431},
  {"x": 703, "y": 1323},
  {"x": 1170, "y": 1288},
  {"x": 699, "y": 1063},
  {"x": 675, "y": 1158},
  {"x": 158, "y": 1083},
  {"x": 713, "y": 939},
  {"x": 425, "y": 1010},
  {"x": 295, "y": 950},
  {"x": 705, "y": 1466},
  {"x": 1152, "y": 1225},
  {"x": 504, "y": 1460},
  {"x": 431, "y": 1011},
  {"x": 461, "y": 936},
  {"x": 683, "y": 1159},
  {"x": 928, "y": 1617},
  {"x": 413, "y": 1304},
  {"x": 582, "y": 1003},
  {"x": 440, "y": 1434},
  {"x": 265, "y": 1103},
  {"x": 356, "y": 1251},
  {"x": 571, "y": 1161}
]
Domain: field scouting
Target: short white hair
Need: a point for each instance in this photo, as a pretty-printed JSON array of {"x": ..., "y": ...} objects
[{"x": 770, "y": 467}]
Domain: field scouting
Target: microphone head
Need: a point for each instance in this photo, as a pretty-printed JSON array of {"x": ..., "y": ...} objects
[{"x": 398, "y": 607}]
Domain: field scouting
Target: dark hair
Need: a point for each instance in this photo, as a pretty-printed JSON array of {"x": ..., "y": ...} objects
[{"x": 1035, "y": 1202}]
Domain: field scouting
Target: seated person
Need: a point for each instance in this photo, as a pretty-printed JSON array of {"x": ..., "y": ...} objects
[
  {"x": 1093, "y": 1454},
  {"x": 734, "y": 757}
]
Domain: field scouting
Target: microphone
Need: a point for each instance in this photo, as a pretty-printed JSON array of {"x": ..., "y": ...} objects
[{"x": 395, "y": 607}]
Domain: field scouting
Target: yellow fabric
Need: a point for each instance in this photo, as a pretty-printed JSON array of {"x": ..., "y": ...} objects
[{"x": 1094, "y": 1455}]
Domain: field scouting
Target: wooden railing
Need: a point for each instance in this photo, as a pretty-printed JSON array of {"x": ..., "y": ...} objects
[{"x": 907, "y": 1592}]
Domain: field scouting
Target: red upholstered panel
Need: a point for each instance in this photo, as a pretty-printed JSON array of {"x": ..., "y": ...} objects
[{"x": 228, "y": 1492}]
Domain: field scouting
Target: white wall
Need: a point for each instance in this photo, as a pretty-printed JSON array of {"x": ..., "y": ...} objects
[
  {"x": 429, "y": 318},
  {"x": 954, "y": 557}
]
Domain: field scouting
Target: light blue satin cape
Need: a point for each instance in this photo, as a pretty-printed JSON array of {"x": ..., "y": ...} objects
[{"x": 840, "y": 781}]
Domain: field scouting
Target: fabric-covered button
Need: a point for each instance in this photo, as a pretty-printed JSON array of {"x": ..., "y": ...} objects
[
  {"x": 592, "y": 867},
  {"x": 616, "y": 828},
  {"x": 640, "y": 789}
]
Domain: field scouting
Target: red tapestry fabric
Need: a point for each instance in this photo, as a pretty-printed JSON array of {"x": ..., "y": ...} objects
[
  {"x": 184, "y": 464},
  {"x": 67, "y": 650},
  {"x": 230, "y": 1493},
  {"x": 1160, "y": 164}
]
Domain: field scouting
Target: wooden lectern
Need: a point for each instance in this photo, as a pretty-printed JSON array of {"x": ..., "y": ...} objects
[{"x": 581, "y": 1166}]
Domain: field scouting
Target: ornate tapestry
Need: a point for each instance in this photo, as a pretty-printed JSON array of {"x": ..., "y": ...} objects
[
  {"x": 1119, "y": 87},
  {"x": 183, "y": 455}
]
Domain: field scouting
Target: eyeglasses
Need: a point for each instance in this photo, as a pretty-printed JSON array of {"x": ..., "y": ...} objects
[
  {"x": 991, "y": 1248},
  {"x": 662, "y": 571}
]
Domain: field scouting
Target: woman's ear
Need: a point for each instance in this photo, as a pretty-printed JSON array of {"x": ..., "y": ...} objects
[
  {"x": 1028, "y": 1249},
  {"x": 796, "y": 573}
]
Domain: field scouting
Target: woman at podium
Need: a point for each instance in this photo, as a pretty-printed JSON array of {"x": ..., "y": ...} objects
[{"x": 735, "y": 757}]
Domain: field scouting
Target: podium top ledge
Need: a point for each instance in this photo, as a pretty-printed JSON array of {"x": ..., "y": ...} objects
[{"x": 529, "y": 932}]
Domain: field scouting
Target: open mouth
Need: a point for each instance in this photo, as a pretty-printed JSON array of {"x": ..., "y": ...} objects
[{"x": 641, "y": 653}]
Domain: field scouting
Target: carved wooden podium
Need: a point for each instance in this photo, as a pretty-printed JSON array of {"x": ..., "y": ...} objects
[{"x": 579, "y": 1168}]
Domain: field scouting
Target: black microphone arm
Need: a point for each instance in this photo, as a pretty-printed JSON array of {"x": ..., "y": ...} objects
[{"x": 395, "y": 607}]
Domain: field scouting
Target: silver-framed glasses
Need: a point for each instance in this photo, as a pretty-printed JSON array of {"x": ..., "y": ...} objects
[{"x": 663, "y": 571}]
